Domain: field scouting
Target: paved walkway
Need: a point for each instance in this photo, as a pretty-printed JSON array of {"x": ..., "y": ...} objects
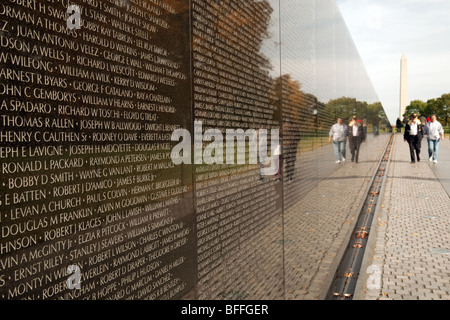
[
  {"x": 442, "y": 170},
  {"x": 317, "y": 226},
  {"x": 314, "y": 166},
  {"x": 413, "y": 227}
]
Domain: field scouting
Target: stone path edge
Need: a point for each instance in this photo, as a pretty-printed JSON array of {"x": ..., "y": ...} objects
[
  {"x": 360, "y": 293},
  {"x": 340, "y": 254}
]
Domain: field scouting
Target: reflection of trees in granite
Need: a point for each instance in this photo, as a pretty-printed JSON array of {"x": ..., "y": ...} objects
[
  {"x": 241, "y": 255},
  {"x": 176, "y": 41},
  {"x": 290, "y": 100},
  {"x": 242, "y": 27},
  {"x": 346, "y": 108},
  {"x": 245, "y": 263},
  {"x": 232, "y": 264},
  {"x": 247, "y": 17},
  {"x": 299, "y": 112}
]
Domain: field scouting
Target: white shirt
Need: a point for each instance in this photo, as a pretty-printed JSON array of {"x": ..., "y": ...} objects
[
  {"x": 414, "y": 129},
  {"x": 355, "y": 130}
]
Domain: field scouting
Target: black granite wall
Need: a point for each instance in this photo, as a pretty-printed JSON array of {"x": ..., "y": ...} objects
[{"x": 88, "y": 182}]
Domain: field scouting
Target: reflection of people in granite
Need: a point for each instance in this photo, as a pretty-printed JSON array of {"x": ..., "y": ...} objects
[
  {"x": 376, "y": 126},
  {"x": 356, "y": 136},
  {"x": 291, "y": 139},
  {"x": 338, "y": 136}
]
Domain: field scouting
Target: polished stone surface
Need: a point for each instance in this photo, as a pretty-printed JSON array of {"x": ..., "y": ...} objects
[{"x": 90, "y": 190}]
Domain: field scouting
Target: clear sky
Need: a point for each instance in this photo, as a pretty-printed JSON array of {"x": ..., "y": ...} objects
[{"x": 385, "y": 29}]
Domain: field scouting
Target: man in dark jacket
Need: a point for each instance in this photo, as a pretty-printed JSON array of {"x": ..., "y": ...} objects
[
  {"x": 414, "y": 135},
  {"x": 356, "y": 136}
]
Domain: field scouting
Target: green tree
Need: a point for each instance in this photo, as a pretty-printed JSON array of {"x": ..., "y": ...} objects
[
  {"x": 435, "y": 106},
  {"x": 375, "y": 110},
  {"x": 438, "y": 106},
  {"x": 444, "y": 112},
  {"x": 416, "y": 106},
  {"x": 345, "y": 108}
]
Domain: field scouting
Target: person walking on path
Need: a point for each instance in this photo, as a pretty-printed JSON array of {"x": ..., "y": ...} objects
[
  {"x": 399, "y": 125},
  {"x": 338, "y": 136},
  {"x": 424, "y": 121},
  {"x": 435, "y": 132},
  {"x": 356, "y": 136},
  {"x": 414, "y": 135}
]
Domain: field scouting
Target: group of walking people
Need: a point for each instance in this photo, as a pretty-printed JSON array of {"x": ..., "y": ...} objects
[
  {"x": 415, "y": 130},
  {"x": 354, "y": 133}
]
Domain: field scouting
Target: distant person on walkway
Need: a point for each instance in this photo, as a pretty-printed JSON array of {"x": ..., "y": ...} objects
[
  {"x": 423, "y": 119},
  {"x": 399, "y": 125},
  {"x": 376, "y": 128},
  {"x": 435, "y": 133},
  {"x": 414, "y": 135},
  {"x": 356, "y": 136},
  {"x": 338, "y": 136}
]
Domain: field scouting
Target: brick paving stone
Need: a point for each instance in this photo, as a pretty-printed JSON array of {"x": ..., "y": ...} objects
[
  {"x": 404, "y": 292},
  {"x": 440, "y": 292},
  {"x": 396, "y": 297},
  {"x": 432, "y": 296},
  {"x": 394, "y": 287},
  {"x": 412, "y": 192},
  {"x": 424, "y": 290}
]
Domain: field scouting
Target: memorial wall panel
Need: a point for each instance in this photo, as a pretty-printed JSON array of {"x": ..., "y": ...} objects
[
  {"x": 131, "y": 154},
  {"x": 324, "y": 79},
  {"x": 238, "y": 210},
  {"x": 87, "y": 179}
]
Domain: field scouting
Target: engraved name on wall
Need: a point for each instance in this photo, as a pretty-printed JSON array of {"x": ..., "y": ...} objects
[{"x": 86, "y": 118}]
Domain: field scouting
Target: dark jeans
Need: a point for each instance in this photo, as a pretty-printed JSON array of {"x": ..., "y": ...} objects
[
  {"x": 415, "y": 146},
  {"x": 355, "y": 145}
]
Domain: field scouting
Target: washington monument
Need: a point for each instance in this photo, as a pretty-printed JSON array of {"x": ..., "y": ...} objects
[{"x": 404, "y": 100}]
